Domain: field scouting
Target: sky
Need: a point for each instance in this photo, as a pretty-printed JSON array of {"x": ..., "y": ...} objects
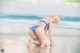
[{"x": 40, "y": 7}]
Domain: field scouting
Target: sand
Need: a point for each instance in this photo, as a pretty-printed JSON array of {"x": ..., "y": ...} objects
[
  {"x": 23, "y": 28},
  {"x": 14, "y": 37},
  {"x": 18, "y": 44}
]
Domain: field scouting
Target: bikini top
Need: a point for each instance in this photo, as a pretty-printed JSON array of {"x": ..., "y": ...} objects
[{"x": 47, "y": 25}]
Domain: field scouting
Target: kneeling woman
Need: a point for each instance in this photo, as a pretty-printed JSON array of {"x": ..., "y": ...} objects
[{"x": 37, "y": 32}]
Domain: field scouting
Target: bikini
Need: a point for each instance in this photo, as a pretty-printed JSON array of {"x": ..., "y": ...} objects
[{"x": 33, "y": 28}]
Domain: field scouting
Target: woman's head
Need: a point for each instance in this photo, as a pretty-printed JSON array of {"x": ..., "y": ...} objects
[{"x": 56, "y": 19}]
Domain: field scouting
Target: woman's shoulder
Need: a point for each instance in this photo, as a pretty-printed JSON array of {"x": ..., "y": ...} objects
[{"x": 47, "y": 19}]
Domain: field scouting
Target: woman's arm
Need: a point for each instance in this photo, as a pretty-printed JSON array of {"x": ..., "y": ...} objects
[{"x": 50, "y": 33}]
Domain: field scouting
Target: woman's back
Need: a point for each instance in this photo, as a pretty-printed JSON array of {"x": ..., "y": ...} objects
[{"x": 46, "y": 20}]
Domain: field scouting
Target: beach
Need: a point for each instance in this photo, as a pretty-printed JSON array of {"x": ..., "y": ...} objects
[
  {"x": 18, "y": 44},
  {"x": 14, "y": 36},
  {"x": 18, "y": 27},
  {"x": 18, "y": 16}
]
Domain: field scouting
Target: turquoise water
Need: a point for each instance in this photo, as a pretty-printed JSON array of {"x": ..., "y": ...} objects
[
  {"x": 36, "y": 17},
  {"x": 69, "y": 22},
  {"x": 21, "y": 17}
]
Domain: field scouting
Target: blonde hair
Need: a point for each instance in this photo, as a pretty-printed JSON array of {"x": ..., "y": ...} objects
[
  {"x": 58, "y": 17},
  {"x": 38, "y": 22}
]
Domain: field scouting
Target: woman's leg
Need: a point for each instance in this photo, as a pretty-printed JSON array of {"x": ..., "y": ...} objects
[
  {"x": 41, "y": 35},
  {"x": 32, "y": 37}
]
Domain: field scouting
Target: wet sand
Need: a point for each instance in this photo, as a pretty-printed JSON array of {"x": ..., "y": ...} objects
[{"x": 18, "y": 44}]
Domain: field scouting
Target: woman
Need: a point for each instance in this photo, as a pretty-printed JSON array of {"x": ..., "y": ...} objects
[{"x": 37, "y": 32}]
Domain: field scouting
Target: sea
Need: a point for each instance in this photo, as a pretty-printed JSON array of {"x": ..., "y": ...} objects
[
  {"x": 14, "y": 34},
  {"x": 19, "y": 23}
]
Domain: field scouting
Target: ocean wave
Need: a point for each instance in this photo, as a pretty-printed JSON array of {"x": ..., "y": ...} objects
[
  {"x": 38, "y": 17},
  {"x": 66, "y": 21},
  {"x": 33, "y": 17},
  {"x": 70, "y": 18},
  {"x": 69, "y": 25},
  {"x": 62, "y": 24}
]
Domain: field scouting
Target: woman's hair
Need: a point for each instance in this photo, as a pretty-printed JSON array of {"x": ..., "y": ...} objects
[
  {"x": 56, "y": 17},
  {"x": 38, "y": 22}
]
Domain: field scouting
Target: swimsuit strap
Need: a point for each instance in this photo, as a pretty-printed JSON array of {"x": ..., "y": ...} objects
[{"x": 47, "y": 25}]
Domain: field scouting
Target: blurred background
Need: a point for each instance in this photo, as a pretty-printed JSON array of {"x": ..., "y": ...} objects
[{"x": 16, "y": 16}]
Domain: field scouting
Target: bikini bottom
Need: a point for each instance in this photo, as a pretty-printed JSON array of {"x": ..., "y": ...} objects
[{"x": 33, "y": 28}]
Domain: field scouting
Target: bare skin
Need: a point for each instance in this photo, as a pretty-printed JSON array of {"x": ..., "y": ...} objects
[
  {"x": 40, "y": 32},
  {"x": 32, "y": 37}
]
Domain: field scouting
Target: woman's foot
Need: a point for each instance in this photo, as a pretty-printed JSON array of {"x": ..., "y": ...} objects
[{"x": 30, "y": 42}]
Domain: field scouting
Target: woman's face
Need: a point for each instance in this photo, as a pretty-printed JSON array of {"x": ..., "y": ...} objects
[{"x": 56, "y": 19}]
